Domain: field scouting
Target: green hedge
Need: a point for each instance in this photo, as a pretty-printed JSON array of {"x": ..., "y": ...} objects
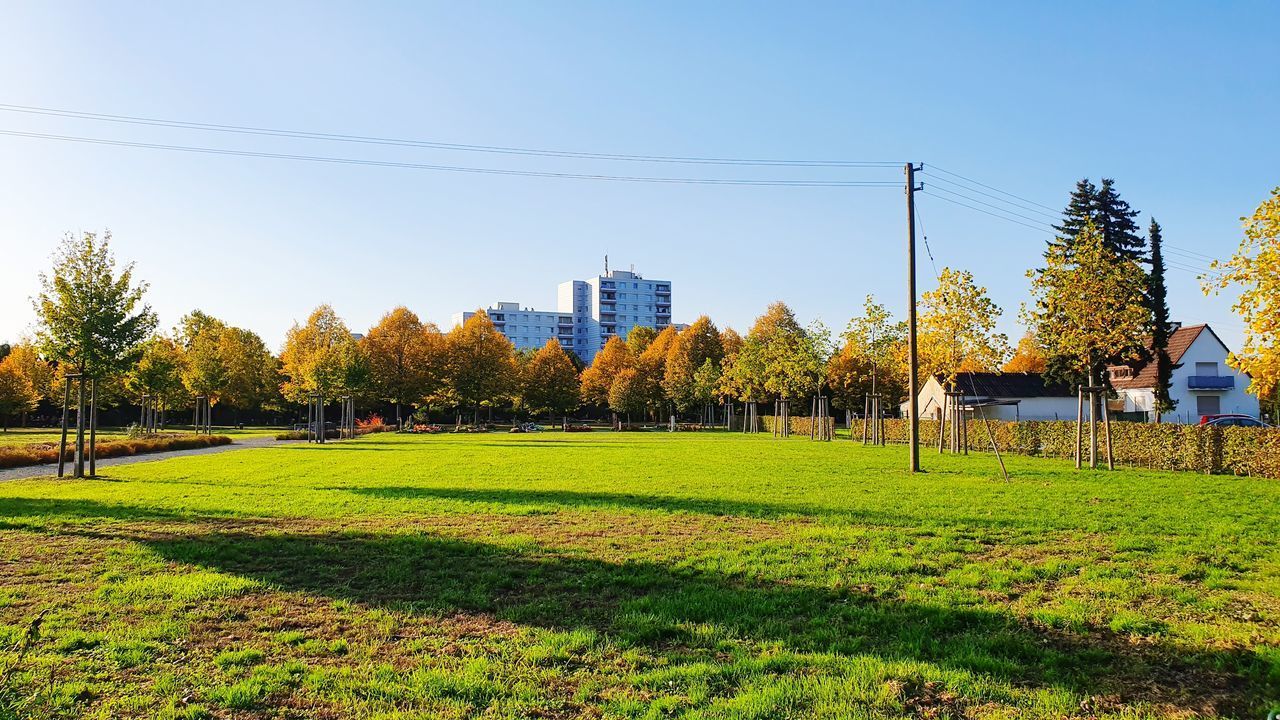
[
  {"x": 800, "y": 424},
  {"x": 1166, "y": 446}
]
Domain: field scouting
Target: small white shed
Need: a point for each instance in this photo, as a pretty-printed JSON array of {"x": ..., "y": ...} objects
[{"x": 1002, "y": 396}]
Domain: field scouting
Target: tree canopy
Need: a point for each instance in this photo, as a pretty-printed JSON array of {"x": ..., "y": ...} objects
[
  {"x": 1109, "y": 214},
  {"x": 91, "y": 317},
  {"x": 1088, "y": 309},
  {"x": 549, "y": 382},
  {"x": 406, "y": 358},
  {"x": 1255, "y": 270},
  {"x": 480, "y": 368},
  {"x": 320, "y": 357},
  {"x": 958, "y": 328}
]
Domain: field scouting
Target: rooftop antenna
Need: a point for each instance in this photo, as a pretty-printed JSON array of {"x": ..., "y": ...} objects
[{"x": 606, "y": 266}]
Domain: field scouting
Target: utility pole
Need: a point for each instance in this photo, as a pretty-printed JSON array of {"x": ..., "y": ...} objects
[{"x": 913, "y": 377}]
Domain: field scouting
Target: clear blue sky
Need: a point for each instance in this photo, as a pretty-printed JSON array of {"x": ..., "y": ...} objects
[{"x": 1177, "y": 101}]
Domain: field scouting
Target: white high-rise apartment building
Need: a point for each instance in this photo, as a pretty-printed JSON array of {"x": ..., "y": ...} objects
[{"x": 588, "y": 313}]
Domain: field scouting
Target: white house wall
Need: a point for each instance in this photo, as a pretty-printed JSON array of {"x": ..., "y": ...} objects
[{"x": 1206, "y": 348}]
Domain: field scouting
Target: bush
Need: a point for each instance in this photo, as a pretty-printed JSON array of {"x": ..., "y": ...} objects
[
  {"x": 38, "y": 454},
  {"x": 578, "y": 428},
  {"x": 372, "y": 424}
]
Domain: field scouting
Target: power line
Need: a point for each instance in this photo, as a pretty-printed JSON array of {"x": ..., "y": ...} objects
[
  {"x": 996, "y": 189},
  {"x": 994, "y": 207},
  {"x": 455, "y": 168},
  {"x": 1055, "y": 214},
  {"x": 432, "y": 144},
  {"x": 988, "y": 212},
  {"x": 1052, "y": 216}
]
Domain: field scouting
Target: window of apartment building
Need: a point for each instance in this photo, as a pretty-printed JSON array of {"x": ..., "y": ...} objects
[{"x": 1209, "y": 369}]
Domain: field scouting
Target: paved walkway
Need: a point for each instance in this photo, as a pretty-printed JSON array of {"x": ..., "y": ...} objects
[{"x": 52, "y": 468}]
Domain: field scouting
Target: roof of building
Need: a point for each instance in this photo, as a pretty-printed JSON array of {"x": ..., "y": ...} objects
[
  {"x": 1143, "y": 373},
  {"x": 1008, "y": 385}
]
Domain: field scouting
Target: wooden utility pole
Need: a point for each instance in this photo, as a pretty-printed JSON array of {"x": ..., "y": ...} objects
[{"x": 913, "y": 359}]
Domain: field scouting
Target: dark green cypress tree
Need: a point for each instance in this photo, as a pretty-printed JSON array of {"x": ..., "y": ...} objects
[{"x": 1161, "y": 327}]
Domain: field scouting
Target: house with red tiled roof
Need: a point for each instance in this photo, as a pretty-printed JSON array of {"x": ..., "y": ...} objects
[{"x": 1203, "y": 383}]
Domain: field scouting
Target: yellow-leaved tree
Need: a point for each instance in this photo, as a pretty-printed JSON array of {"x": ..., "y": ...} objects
[
  {"x": 958, "y": 329},
  {"x": 480, "y": 368},
  {"x": 1255, "y": 268},
  {"x": 321, "y": 357},
  {"x": 1089, "y": 308},
  {"x": 1028, "y": 357},
  {"x": 598, "y": 379},
  {"x": 406, "y": 358}
]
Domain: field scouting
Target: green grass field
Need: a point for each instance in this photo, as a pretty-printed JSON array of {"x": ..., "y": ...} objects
[
  {"x": 26, "y": 436},
  {"x": 634, "y": 576}
]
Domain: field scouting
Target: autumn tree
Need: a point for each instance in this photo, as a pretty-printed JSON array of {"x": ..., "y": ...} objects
[
  {"x": 706, "y": 383},
  {"x": 158, "y": 373},
  {"x": 702, "y": 342},
  {"x": 320, "y": 357},
  {"x": 639, "y": 338},
  {"x": 651, "y": 366},
  {"x": 1255, "y": 269},
  {"x": 204, "y": 373},
  {"x": 957, "y": 331},
  {"x": 406, "y": 358},
  {"x": 727, "y": 386},
  {"x": 630, "y": 393},
  {"x": 1028, "y": 357},
  {"x": 479, "y": 368},
  {"x": 678, "y": 384},
  {"x": 92, "y": 318},
  {"x": 598, "y": 379},
  {"x": 1089, "y": 309},
  {"x": 252, "y": 373},
  {"x": 17, "y": 392},
  {"x": 549, "y": 383},
  {"x": 697, "y": 346},
  {"x": 778, "y": 349},
  {"x": 867, "y": 361},
  {"x": 26, "y": 358}
]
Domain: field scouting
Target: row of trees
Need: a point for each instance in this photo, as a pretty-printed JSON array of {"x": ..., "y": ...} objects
[{"x": 1096, "y": 301}]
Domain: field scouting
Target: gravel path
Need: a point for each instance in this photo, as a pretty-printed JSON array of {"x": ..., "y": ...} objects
[{"x": 52, "y": 468}]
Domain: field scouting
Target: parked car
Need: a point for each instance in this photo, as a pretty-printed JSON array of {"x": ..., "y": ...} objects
[{"x": 1232, "y": 420}]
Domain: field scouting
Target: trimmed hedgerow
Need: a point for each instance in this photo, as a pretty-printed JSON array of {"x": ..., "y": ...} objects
[
  {"x": 1165, "y": 446},
  {"x": 800, "y": 424}
]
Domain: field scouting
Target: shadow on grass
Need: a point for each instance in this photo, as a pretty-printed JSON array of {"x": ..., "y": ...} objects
[
  {"x": 677, "y": 504},
  {"x": 687, "y": 615}
]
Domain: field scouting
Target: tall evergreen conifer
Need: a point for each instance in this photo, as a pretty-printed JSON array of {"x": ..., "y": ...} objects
[
  {"x": 1108, "y": 212},
  {"x": 1161, "y": 327}
]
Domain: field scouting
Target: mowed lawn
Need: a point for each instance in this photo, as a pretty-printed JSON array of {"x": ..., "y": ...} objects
[{"x": 634, "y": 576}]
